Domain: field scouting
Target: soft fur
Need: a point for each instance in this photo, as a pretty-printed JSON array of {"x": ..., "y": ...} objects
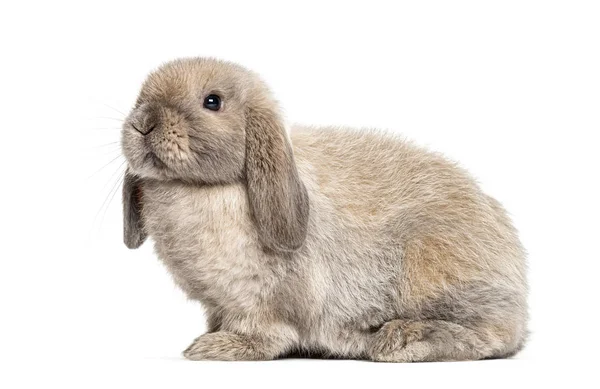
[{"x": 326, "y": 241}]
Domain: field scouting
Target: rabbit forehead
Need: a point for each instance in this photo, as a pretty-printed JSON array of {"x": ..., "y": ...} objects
[{"x": 197, "y": 77}]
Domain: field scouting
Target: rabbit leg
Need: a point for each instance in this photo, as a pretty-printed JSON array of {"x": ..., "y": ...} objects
[
  {"x": 234, "y": 346},
  {"x": 214, "y": 320},
  {"x": 433, "y": 340}
]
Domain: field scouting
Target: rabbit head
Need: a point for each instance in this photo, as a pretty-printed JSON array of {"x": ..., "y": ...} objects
[{"x": 209, "y": 122}]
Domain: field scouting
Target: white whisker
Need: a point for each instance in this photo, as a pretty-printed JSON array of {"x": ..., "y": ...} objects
[
  {"x": 106, "y": 203},
  {"x": 103, "y": 167},
  {"x": 108, "y": 118},
  {"x": 114, "y": 109}
]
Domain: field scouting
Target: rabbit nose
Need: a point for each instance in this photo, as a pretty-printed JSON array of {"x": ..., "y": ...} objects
[{"x": 144, "y": 130}]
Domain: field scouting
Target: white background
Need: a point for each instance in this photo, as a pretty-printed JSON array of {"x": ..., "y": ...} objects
[{"x": 511, "y": 89}]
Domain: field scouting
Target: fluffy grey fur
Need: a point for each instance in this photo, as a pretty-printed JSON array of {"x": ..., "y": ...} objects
[{"x": 330, "y": 241}]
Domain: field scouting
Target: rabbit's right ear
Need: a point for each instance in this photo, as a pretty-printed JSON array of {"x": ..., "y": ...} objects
[
  {"x": 278, "y": 198},
  {"x": 133, "y": 228}
]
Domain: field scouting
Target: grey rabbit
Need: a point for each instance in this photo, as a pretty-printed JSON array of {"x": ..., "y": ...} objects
[{"x": 319, "y": 241}]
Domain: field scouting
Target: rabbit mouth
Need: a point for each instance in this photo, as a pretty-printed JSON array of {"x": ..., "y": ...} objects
[{"x": 153, "y": 160}]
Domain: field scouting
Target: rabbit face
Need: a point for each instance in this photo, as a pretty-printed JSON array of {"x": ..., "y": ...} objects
[
  {"x": 202, "y": 121},
  {"x": 189, "y": 123}
]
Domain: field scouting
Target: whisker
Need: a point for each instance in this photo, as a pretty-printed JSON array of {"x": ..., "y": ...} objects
[
  {"x": 110, "y": 194},
  {"x": 114, "y": 109},
  {"x": 110, "y": 153},
  {"x": 112, "y": 176},
  {"x": 104, "y": 149},
  {"x": 115, "y": 143},
  {"x": 108, "y": 118},
  {"x": 111, "y": 161}
]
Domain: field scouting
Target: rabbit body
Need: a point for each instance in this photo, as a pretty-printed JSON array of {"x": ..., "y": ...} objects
[{"x": 405, "y": 259}]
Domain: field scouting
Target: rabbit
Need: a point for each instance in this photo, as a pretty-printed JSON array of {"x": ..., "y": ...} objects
[{"x": 329, "y": 242}]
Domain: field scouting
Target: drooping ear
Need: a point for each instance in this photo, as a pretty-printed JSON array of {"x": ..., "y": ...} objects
[
  {"x": 278, "y": 199},
  {"x": 133, "y": 229}
]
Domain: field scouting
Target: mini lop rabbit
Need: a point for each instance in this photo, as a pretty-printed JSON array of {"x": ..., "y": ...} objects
[{"x": 335, "y": 242}]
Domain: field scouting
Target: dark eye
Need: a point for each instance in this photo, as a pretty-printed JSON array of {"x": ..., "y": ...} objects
[{"x": 212, "y": 102}]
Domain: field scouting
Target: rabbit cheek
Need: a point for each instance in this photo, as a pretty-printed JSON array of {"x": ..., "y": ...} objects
[{"x": 170, "y": 146}]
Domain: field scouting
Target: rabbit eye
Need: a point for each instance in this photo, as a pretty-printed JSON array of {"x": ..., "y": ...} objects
[{"x": 212, "y": 102}]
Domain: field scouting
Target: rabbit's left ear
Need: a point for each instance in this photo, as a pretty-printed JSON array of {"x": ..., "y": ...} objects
[
  {"x": 278, "y": 199},
  {"x": 133, "y": 228}
]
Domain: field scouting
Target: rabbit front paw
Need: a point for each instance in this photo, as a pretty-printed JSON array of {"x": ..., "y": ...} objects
[{"x": 226, "y": 346}]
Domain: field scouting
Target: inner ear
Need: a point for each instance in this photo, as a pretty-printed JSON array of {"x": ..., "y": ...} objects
[{"x": 278, "y": 198}]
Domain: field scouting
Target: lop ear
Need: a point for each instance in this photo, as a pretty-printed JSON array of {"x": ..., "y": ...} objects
[
  {"x": 278, "y": 199},
  {"x": 133, "y": 229}
]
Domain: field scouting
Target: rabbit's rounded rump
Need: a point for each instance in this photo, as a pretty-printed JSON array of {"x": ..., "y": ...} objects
[{"x": 330, "y": 241}]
